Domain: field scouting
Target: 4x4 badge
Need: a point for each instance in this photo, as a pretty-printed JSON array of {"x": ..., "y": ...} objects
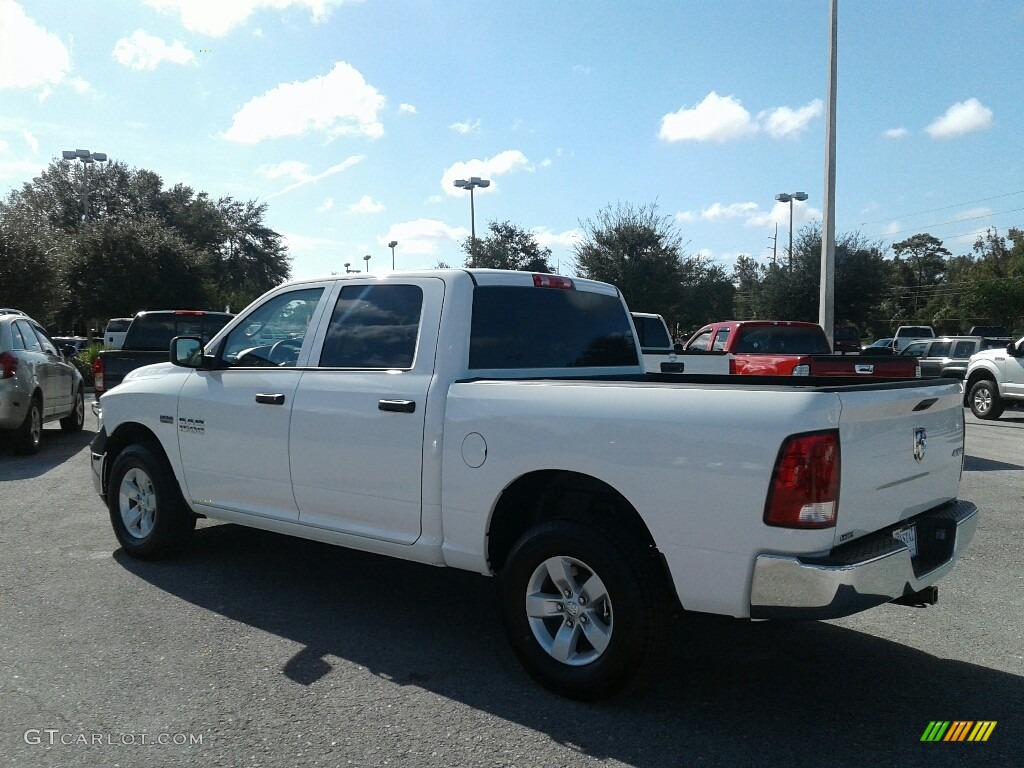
[{"x": 920, "y": 443}]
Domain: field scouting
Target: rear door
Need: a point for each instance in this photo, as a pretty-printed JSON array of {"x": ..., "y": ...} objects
[{"x": 357, "y": 423}]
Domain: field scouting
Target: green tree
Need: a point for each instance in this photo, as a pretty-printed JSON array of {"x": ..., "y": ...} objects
[
  {"x": 925, "y": 259},
  {"x": 638, "y": 250},
  {"x": 995, "y": 293},
  {"x": 507, "y": 247}
]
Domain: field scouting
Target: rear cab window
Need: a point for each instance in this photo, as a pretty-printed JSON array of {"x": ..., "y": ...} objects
[{"x": 520, "y": 327}]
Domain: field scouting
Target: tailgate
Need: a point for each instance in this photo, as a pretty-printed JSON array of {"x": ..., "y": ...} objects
[
  {"x": 902, "y": 453},
  {"x": 878, "y": 366}
]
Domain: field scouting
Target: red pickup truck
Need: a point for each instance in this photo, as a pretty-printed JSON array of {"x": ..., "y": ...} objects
[{"x": 784, "y": 348}]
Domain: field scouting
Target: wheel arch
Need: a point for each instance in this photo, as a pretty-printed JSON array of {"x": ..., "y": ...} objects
[
  {"x": 543, "y": 495},
  {"x": 126, "y": 435},
  {"x": 982, "y": 372}
]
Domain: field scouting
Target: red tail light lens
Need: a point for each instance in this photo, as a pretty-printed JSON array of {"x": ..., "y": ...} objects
[
  {"x": 804, "y": 492},
  {"x": 97, "y": 373},
  {"x": 8, "y": 365}
]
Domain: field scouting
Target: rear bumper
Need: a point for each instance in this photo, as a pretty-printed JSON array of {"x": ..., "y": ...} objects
[{"x": 870, "y": 571}]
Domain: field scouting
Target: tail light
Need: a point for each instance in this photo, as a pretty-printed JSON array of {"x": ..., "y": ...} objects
[
  {"x": 97, "y": 374},
  {"x": 553, "y": 281},
  {"x": 8, "y": 365},
  {"x": 804, "y": 492},
  {"x": 802, "y": 370},
  {"x": 917, "y": 371}
]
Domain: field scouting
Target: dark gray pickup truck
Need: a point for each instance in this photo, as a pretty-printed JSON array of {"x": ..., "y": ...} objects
[{"x": 148, "y": 341}]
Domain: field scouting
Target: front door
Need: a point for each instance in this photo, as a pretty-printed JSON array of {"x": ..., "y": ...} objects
[{"x": 233, "y": 421}]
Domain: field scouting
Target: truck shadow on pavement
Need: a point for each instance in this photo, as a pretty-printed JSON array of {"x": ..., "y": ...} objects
[{"x": 728, "y": 693}]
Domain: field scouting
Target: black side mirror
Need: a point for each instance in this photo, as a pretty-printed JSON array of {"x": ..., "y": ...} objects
[
  {"x": 677, "y": 348},
  {"x": 1011, "y": 349}
]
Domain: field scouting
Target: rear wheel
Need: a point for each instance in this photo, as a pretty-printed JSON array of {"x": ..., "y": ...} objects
[
  {"x": 584, "y": 612},
  {"x": 74, "y": 421},
  {"x": 30, "y": 434},
  {"x": 148, "y": 515},
  {"x": 985, "y": 401}
]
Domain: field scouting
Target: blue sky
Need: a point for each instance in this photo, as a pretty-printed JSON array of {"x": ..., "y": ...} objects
[{"x": 352, "y": 119}]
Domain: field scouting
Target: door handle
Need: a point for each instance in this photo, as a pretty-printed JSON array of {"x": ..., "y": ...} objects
[
  {"x": 397, "y": 406},
  {"x": 267, "y": 399}
]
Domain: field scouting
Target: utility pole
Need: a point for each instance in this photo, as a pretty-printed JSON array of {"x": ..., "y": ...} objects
[{"x": 826, "y": 302}]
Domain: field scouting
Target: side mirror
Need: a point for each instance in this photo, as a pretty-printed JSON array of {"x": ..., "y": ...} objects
[
  {"x": 1011, "y": 349},
  {"x": 187, "y": 351},
  {"x": 677, "y": 348}
]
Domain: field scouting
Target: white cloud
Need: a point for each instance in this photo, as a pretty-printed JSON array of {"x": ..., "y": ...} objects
[
  {"x": 299, "y": 172},
  {"x": 326, "y": 205},
  {"x": 424, "y": 237},
  {"x": 145, "y": 51},
  {"x": 579, "y": 69},
  {"x": 366, "y": 204},
  {"x": 784, "y": 122},
  {"x": 963, "y": 117},
  {"x": 717, "y": 118},
  {"x": 548, "y": 239},
  {"x": 406, "y": 109},
  {"x": 304, "y": 243},
  {"x": 509, "y": 161},
  {"x": 973, "y": 213},
  {"x": 218, "y": 17},
  {"x": 896, "y": 133},
  {"x": 466, "y": 127},
  {"x": 340, "y": 103},
  {"x": 29, "y": 55},
  {"x": 79, "y": 85},
  {"x": 892, "y": 228},
  {"x": 719, "y": 212},
  {"x": 724, "y": 118},
  {"x": 32, "y": 141}
]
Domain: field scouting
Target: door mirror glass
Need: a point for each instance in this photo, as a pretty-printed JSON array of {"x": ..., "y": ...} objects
[{"x": 186, "y": 351}]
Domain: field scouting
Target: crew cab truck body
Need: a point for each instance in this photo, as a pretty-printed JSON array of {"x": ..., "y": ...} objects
[
  {"x": 501, "y": 422},
  {"x": 784, "y": 348},
  {"x": 661, "y": 355},
  {"x": 995, "y": 379},
  {"x": 148, "y": 340}
]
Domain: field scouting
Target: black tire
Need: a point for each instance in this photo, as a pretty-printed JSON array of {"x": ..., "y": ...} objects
[
  {"x": 632, "y": 619},
  {"x": 29, "y": 435},
  {"x": 75, "y": 420},
  {"x": 147, "y": 512},
  {"x": 985, "y": 401}
]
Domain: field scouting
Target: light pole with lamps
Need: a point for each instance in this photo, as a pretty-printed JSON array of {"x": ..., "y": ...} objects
[
  {"x": 392, "y": 245},
  {"x": 472, "y": 183},
  {"x": 86, "y": 157},
  {"x": 789, "y": 197},
  {"x": 366, "y": 258}
]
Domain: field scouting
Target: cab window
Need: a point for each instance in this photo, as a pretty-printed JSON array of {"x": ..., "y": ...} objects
[
  {"x": 272, "y": 334},
  {"x": 373, "y": 326},
  {"x": 720, "y": 340}
]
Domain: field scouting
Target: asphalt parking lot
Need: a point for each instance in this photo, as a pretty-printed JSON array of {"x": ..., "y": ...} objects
[{"x": 258, "y": 650}]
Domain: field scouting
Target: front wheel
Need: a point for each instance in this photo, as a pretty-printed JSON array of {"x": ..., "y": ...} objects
[
  {"x": 148, "y": 515},
  {"x": 584, "y": 612},
  {"x": 985, "y": 401},
  {"x": 74, "y": 421}
]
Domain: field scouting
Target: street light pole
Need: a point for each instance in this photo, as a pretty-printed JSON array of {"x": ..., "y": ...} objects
[
  {"x": 789, "y": 197},
  {"x": 86, "y": 157},
  {"x": 366, "y": 258},
  {"x": 472, "y": 183},
  {"x": 392, "y": 245}
]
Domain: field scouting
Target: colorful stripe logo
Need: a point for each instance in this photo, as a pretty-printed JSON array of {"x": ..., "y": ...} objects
[{"x": 958, "y": 730}]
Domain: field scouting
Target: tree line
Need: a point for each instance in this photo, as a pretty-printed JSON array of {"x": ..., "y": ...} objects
[
  {"x": 923, "y": 283},
  {"x": 147, "y": 247},
  {"x": 141, "y": 247}
]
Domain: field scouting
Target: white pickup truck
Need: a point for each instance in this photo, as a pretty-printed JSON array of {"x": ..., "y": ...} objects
[
  {"x": 660, "y": 355},
  {"x": 501, "y": 422}
]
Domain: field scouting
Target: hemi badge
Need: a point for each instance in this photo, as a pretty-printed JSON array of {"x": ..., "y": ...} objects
[{"x": 166, "y": 419}]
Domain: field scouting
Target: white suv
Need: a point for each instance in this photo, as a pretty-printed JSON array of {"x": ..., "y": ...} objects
[{"x": 37, "y": 384}]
